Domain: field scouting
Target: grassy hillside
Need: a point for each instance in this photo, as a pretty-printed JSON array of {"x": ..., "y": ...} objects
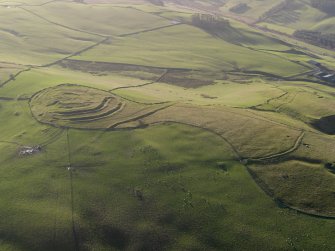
[
  {"x": 282, "y": 16},
  {"x": 325, "y": 26},
  {"x": 99, "y": 19},
  {"x": 179, "y": 51},
  {"x": 126, "y": 126}
]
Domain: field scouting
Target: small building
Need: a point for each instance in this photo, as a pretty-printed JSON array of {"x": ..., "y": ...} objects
[
  {"x": 325, "y": 75},
  {"x": 29, "y": 150},
  {"x": 330, "y": 77}
]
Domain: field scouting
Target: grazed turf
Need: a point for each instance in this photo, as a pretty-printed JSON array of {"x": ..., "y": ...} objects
[{"x": 156, "y": 135}]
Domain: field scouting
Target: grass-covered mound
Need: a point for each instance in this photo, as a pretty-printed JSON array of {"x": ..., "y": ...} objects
[
  {"x": 73, "y": 104},
  {"x": 83, "y": 107}
]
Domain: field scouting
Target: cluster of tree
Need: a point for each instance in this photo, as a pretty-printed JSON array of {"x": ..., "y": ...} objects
[
  {"x": 327, "y": 6},
  {"x": 157, "y": 2},
  {"x": 330, "y": 167},
  {"x": 210, "y": 22},
  {"x": 240, "y": 8},
  {"x": 316, "y": 38}
]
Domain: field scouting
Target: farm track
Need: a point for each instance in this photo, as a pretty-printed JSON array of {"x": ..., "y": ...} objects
[
  {"x": 145, "y": 84},
  {"x": 74, "y": 231},
  {"x": 54, "y": 229}
]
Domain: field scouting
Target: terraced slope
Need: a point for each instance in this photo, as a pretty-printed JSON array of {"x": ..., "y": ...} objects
[{"x": 82, "y": 107}]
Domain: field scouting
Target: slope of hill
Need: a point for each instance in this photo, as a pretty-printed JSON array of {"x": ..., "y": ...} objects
[{"x": 165, "y": 125}]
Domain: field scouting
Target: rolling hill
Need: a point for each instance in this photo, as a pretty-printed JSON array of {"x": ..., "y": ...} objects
[{"x": 166, "y": 125}]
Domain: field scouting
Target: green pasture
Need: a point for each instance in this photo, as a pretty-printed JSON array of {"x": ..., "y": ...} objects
[
  {"x": 172, "y": 48},
  {"x": 163, "y": 136},
  {"x": 100, "y": 19},
  {"x": 26, "y": 33}
]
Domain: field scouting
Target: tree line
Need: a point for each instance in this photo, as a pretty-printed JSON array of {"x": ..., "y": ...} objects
[{"x": 209, "y": 22}]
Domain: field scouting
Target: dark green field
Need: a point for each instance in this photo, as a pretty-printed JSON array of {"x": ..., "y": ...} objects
[{"x": 166, "y": 125}]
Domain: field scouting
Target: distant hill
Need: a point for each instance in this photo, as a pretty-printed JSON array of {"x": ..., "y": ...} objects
[
  {"x": 286, "y": 16},
  {"x": 312, "y": 21},
  {"x": 327, "y": 6}
]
